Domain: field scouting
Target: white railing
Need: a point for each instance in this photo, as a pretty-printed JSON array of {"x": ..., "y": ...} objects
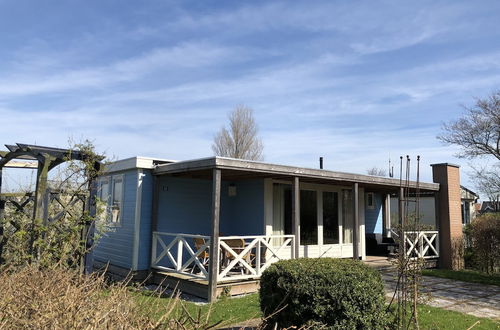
[
  {"x": 178, "y": 253},
  {"x": 241, "y": 257},
  {"x": 422, "y": 244},
  {"x": 246, "y": 257}
]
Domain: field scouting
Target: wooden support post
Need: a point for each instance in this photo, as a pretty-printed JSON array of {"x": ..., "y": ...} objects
[
  {"x": 89, "y": 230},
  {"x": 41, "y": 188},
  {"x": 355, "y": 224},
  {"x": 296, "y": 215},
  {"x": 154, "y": 218},
  {"x": 214, "y": 238},
  {"x": 39, "y": 204},
  {"x": 387, "y": 216}
]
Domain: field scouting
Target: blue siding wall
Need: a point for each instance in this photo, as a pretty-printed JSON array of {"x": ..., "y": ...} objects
[
  {"x": 146, "y": 217},
  {"x": 373, "y": 217},
  {"x": 185, "y": 207},
  {"x": 115, "y": 245},
  {"x": 247, "y": 209}
]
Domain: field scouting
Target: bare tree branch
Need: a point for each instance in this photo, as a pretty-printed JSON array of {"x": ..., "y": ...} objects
[
  {"x": 478, "y": 131},
  {"x": 241, "y": 140},
  {"x": 376, "y": 171}
]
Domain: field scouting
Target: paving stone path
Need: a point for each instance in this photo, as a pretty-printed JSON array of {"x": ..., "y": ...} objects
[{"x": 480, "y": 300}]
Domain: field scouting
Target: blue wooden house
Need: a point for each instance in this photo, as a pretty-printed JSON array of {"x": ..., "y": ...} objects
[{"x": 215, "y": 223}]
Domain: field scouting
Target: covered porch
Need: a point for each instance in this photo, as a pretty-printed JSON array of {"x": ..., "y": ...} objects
[{"x": 218, "y": 223}]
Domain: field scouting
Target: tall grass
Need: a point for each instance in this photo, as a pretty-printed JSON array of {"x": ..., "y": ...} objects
[{"x": 59, "y": 298}]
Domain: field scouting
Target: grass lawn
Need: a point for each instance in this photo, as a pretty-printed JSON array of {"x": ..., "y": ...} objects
[
  {"x": 230, "y": 310},
  {"x": 234, "y": 310},
  {"x": 464, "y": 275}
]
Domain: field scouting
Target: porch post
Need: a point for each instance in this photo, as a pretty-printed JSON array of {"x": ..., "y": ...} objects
[
  {"x": 296, "y": 214},
  {"x": 355, "y": 227},
  {"x": 387, "y": 216},
  {"x": 214, "y": 239}
]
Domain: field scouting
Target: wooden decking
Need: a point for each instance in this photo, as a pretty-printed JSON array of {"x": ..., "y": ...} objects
[{"x": 199, "y": 287}]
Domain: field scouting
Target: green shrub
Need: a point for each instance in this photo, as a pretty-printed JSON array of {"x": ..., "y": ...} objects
[
  {"x": 337, "y": 293},
  {"x": 485, "y": 238}
]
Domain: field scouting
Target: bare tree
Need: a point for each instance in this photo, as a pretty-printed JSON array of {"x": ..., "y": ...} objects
[
  {"x": 241, "y": 139},
  {"x": 477, "y": 132},
  {"x": 376, "y": 171}
]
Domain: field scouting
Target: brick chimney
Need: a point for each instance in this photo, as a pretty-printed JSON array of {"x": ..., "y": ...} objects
[{"x": 449, "y": 215}]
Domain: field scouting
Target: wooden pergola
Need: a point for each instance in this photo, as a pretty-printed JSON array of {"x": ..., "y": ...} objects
[{"x": 44, "y": 159}]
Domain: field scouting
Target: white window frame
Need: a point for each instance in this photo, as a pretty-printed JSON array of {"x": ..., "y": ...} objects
[
  {"x": 110, "y": 180},
  {"x": 118, "y": 222}
]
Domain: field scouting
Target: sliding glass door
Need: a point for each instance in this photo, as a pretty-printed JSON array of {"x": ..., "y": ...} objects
[
  {"x": 330, "y": 217},
  {"x": 326, "y": 215}
]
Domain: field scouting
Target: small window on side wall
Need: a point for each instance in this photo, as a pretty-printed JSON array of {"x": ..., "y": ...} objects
[
  {"x": 104, "y": 195},
  {"x": 110, "y": 199},
  {"x": 116, "y": 207},
  {"x": 370, "y": 201}
]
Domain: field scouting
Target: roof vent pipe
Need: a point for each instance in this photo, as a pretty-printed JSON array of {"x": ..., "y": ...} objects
[{"x": 320, "y": 163}]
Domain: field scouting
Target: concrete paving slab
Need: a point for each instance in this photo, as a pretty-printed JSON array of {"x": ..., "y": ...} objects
[{"x": 471, "y": 298}]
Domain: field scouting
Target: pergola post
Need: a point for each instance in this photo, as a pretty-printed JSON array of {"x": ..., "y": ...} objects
[
  {"x": 296, "y": 215},
  {"x": 40, "y": 204},
  {"x": 355, "y": 227},
  {"x": 214, "y": 238},
  {"x": 41, "y": 188}
]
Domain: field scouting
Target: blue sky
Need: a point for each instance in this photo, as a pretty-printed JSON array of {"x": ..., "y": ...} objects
[{"x": 356, "y": 82}]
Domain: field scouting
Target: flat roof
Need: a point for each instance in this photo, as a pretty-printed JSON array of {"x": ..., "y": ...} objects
[
  {"x": 135, "y": 162},
  {"x": 239, "y": 168}
]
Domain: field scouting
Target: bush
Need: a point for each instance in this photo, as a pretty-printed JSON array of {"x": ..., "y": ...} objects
[
  {"x": 336, "y": 293},
  {"x": 485, "y": 239},
  {"x": 58, "y": 298}
]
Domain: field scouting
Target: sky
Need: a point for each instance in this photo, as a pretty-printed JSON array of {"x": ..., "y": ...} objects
[{"x": 357, "y": 82}]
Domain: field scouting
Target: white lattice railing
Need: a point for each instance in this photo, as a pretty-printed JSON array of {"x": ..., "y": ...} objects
[
  {"x": 422, "y": 244},
  {"x": 241, "y": 257},
  {"x": 178, "y": 253},
  {"x": 253, "y": 255}
]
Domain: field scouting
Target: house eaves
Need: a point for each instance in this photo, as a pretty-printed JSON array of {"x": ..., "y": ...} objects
[{"x": 282, "y": 170}]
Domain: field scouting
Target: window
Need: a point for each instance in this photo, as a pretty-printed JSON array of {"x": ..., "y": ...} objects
[
  {"x": 330, "y": 217},
  {"x": 116, "y": 207},
  {"x": 370, "y": 201},
  {"x": 111, "y": 199}
]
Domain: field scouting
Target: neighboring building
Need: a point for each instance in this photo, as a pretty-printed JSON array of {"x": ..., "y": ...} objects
[
  {"x": 427, "y": 209},
  {"x": 173, "y": 218},
  {"x": 490, "y": 207},
  {"x": 469, "y": 200}
]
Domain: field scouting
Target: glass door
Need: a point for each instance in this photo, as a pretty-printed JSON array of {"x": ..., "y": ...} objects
[
  {"x": 330, "y": 217},
  {"x": 347, "y": 216}
]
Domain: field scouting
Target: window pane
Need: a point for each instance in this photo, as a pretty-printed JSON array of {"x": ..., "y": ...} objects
[
  {"x": 104, "y": 191},
  {"x": 347, "y": 216},
  {"x": 308, "y": 217},
  {"x": 330, "y": 217},
  {"x": 117, "y": 200}
]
